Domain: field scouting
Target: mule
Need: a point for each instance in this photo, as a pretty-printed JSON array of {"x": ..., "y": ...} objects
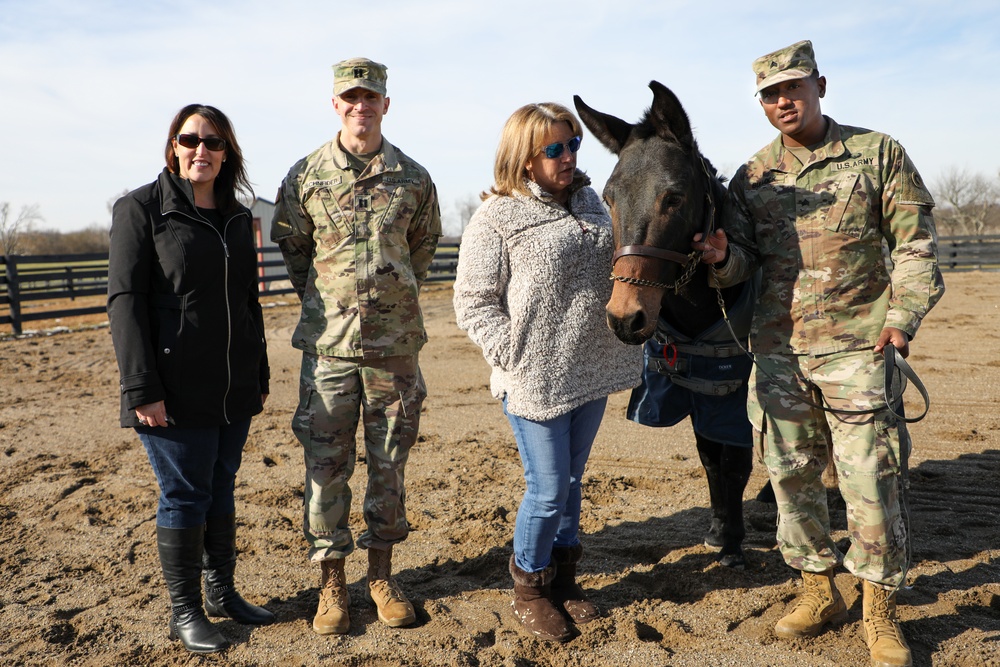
[{"x": 662, "y": 192}]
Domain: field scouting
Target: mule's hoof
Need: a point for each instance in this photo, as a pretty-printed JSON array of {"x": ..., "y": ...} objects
[
  {"x": 714, "y": 541},
  {"x": 736, "y": 561},
  {"x": 713, "y": 538}
]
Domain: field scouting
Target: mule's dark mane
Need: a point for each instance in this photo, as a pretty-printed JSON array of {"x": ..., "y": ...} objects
[
  {"x": 645, "y": 129},
  {"x": 721, "y": 178},
  {"x": 718, "y": 181}
]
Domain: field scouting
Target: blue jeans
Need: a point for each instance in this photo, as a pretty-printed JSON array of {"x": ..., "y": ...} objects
[
  {"x": 196, "y": 470},
  {"x": 554, "y": 454}
]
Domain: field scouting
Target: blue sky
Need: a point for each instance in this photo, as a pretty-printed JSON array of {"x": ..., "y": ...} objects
[{"x": 88, "y": 88}]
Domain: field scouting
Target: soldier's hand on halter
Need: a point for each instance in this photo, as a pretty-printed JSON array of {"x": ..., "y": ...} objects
[{"x": 715, "y": 248}]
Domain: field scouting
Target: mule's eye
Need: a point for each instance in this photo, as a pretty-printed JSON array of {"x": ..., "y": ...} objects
[{"x": 669, "y": 202}]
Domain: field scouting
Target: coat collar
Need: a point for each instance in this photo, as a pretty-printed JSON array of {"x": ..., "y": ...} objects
[
  {"x": 177, "y": 194},
  {"x": 386, "y": 160},
  {"x": 580, "y": 181},
  {"x": 776, "y": 157}
]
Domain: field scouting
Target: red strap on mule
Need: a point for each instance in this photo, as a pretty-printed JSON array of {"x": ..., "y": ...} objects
[{"x": 672, "y": 359}]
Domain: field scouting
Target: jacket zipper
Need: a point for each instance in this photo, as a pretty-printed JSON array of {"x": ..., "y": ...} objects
[{"x": 225, "y": 283}]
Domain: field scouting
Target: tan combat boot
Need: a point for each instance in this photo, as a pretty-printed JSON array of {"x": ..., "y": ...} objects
[
  {"x": 332, "y": 617},
  {"x": 393, "y": 608},
  {"x": 820, "y": 604},
  {"x": 885, "y": 638}
]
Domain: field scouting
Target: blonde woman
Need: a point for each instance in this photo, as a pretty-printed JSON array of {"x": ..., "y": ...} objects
[{"x": 531, "y": 288}]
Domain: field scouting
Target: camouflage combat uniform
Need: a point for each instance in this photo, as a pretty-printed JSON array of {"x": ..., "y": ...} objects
[
  {"x": 817, "y": 231},
  {"x": 357, "y": 248}
]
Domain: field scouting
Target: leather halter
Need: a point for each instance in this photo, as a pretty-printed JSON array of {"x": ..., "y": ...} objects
[
  {"x": 649, "y": 251},
  {"x": 688, "y": 262}
]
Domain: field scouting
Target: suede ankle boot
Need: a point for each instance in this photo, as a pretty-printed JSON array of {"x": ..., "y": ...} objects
[
  {"x": 886, "y": 643},
  {"x": 566, "y": 593},
  {"x": 533, "y": 604}
]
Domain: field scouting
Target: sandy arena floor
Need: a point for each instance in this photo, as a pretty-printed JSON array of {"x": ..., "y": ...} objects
[{"x": 82, "y": 586}]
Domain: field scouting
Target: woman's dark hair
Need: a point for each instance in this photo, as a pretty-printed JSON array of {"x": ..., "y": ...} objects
[{"x": 232, "y": 178}]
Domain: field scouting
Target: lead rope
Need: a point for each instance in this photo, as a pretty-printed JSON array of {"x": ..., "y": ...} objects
[
  {"x": 905, "y": 447},
  {"x": 897, "y": 370}
]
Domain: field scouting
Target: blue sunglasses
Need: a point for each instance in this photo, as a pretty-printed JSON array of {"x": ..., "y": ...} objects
[{"x": 552, "y": 151}]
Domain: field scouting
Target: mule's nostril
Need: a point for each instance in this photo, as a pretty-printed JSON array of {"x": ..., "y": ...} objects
[{"x": 638, "y": 322}]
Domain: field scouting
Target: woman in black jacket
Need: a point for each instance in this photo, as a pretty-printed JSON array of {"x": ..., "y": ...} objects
[{"x": 189, "y": 337}]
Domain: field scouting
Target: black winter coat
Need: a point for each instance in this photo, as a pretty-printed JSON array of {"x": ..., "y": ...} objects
[{"x": 183, "y": 304}]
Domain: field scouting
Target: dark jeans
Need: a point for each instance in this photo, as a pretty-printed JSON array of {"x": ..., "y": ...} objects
[{"x": 196, "y": 470}]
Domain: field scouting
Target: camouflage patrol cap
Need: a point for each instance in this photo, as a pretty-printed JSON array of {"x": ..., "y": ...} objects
[
  {"x": 792, "y": 62},
  {"x": 359, "y": 73}
]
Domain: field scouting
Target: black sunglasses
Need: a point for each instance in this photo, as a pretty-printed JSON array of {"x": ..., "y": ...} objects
[
  {"x": 211, "y": 143},
  {"x": 553, "y": 151}
]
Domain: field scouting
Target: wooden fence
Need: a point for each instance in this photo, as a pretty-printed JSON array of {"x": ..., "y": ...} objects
[
  {"x": 969, "y": 253},
  {"x": 32, "y": 279},
  {"x": 39, "y": 278}
]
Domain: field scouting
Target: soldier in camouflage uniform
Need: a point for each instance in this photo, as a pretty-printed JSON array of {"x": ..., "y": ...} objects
[
  {"x": 814, "y": 209},
  {"x": 357, "y": 222}
]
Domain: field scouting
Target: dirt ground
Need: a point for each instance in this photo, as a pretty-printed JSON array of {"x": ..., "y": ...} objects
[{"x": 81, "y": 583}]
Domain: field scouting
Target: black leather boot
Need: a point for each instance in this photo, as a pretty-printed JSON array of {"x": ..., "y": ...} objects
[
  {"x": 221, "y": 598},
  {"x": 180, "y": 557}
]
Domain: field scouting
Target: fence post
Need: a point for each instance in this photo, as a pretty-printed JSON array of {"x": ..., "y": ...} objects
[
  {"x": 69, "y": 283},
  {"x": 14, "y": 294}
]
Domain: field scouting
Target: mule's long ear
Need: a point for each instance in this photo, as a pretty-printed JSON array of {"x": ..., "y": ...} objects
[
  {"x": 667, "y": 113},
  {"x": 610, "y": 131}
]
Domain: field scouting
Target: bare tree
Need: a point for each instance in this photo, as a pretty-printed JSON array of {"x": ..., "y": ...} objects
[
  {"x": 971, "y": 202},
  {"x": 11, "y": 229},
  {"x": 466, "y": 207},
  {"x": 51, "y": 242},
  {"x": 455, "y": 216}
]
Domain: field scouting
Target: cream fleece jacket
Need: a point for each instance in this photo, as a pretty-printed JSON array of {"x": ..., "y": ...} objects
[{"x": 531, "y": 288}]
